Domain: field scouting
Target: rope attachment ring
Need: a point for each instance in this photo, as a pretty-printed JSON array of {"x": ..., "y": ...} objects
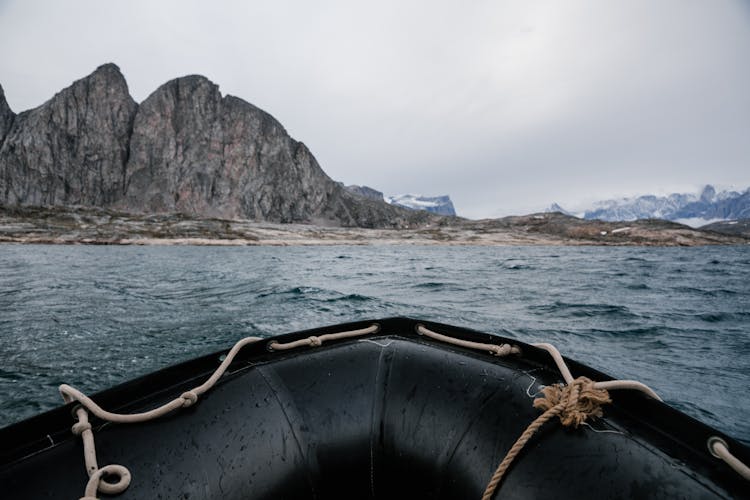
[{"x": 719, "y": 448}]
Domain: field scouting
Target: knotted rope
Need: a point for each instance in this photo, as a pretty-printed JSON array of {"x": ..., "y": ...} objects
[
  {"x": 573, "y": 404},
  {"x": 494, "y": 349},
  {"x": 82, "y": 428},
  {"x": 188, "y": 398},
  {"x": 317, "y": 341}
]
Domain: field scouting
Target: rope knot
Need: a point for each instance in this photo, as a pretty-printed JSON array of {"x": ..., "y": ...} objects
[
  {"x": 574, "y": 402},
  {"x": 79, "y": 428},
  {"x": 500, "y": 350},
  {"x": 315, "y": 341},
  {"x": 189, "y": 398}
]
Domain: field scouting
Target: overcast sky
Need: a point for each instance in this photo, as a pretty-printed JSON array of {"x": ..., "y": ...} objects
[{"x": 507, "y": 106}]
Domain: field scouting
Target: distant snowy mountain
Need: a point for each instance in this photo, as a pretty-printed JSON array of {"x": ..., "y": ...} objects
[
  {"x": 687, "y": 208},
  {"x": 642, "y": 207},
  {"x": 441, "y": 205}
]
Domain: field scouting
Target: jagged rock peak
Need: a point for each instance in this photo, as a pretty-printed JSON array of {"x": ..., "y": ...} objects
[
  {"x": 110, "y": 69},
  {"x": 72, "y": 149},
  {"x": 106, "y": 83},
  {"x": 6, "y": 116},
  {"x": 186, "y": 85},
  {"x": 4, "y": 106},
  {"x": 708, "y": 194},
  {"x": 194, "y": 151}
]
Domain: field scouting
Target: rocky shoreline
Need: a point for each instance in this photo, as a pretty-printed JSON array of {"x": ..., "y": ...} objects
[{"x": 94, "y": 226}]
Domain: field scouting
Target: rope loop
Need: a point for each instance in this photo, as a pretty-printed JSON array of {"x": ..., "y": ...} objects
[
  {"x": 97, "y": 482},
  {"x": 578, "y": 401},
  {"x": 189, "y": 398}
]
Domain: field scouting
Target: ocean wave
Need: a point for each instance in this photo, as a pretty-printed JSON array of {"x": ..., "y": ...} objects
[
  {"x": 720, "y": 316},
  {"x": 638, "y": 286},
  {"x": 352, "y": 297},
  {"x": 296, "y": 291},
  {"x": 584, "y": 310},
  {"x": 515, "y": 265}
]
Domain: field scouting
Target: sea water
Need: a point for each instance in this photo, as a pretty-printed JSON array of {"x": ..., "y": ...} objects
[{"x": 677, "y": 319}]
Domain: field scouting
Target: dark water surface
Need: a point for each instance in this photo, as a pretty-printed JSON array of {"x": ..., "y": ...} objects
[{"x": 676, "y": 319}]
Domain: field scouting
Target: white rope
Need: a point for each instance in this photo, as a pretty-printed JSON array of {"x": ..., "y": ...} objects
[
  {"x": 317, "y": 341},
  {"x": 720, "y": 449},
  {"x": 717, "y": 446},
  {"x": 187, "y": 398},
  {"x": 96, "y": 482},
  {"x": 610, "y": 384},
  {"x": 505, "y": 349},
  {"x": 494, "y": 349},
  {"x": 83, "y": 427}
]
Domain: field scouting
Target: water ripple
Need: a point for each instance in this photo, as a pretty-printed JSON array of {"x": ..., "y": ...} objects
[{"x": 673, "y": 318}]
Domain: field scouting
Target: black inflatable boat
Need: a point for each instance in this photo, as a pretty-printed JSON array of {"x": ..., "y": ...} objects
[{"x": 390, "y": 412}]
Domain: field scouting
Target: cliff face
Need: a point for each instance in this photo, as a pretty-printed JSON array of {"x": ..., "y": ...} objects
[
  {"x": 6, "y": 116},
  {"x": 72, "y": 149},
  {"x": 185, "y": 149},
  {"x": 366, "y": 192},
  {"x": 194, "y": 151}
]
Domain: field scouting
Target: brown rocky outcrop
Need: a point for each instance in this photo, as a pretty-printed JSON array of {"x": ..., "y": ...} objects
[
  {"x": 186, "y": 149},
  {"x": 72, "y": 149}
]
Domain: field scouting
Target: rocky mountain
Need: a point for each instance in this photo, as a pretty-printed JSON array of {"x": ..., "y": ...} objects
[
  {"x": 366, "y": 192},
  {"x": 690, "y": 208},
  {"x": 185, "y": 149},
  {"x": 6, "y": 116},
  {"x": 726, "y": 205},
  {"x": 441, "y": 205},
  {"x": 72, "y": 150}
]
